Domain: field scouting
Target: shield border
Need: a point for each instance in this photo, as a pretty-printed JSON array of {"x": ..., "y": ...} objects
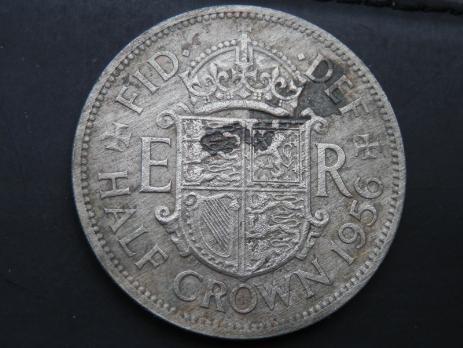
[{"x": 173, "y": 221}]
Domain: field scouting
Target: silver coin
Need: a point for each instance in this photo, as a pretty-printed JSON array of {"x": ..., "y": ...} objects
[{"x": 238, "y": 172}]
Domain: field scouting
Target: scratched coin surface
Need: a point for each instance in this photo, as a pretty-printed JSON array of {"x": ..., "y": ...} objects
[{"x": 239, "y": 172}]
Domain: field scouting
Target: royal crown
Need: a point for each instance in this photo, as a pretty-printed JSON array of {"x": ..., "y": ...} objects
[{"x": 243, "y": 74}]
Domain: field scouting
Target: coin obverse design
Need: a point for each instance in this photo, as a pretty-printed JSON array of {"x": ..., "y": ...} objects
[{"x": 238, "y": 172}]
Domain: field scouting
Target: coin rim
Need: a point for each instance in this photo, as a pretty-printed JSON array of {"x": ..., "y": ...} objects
[{"x": 91, "y": 233}]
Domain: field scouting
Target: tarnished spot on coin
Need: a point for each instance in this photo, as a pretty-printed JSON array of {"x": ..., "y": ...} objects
[{"x": 238, "y": 172}]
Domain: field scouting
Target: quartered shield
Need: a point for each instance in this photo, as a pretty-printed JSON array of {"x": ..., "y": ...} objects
[{"x": 242, "y": 193}]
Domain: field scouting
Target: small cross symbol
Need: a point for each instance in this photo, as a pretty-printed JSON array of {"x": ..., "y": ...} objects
[
  {"x": 364, "y": 146},
  {"x": 118, "y": 141}
]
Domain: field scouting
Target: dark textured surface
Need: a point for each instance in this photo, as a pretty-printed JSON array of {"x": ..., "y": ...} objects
[
  {"x": 53, "y": 291},
  {"x": 450, "y": 6}
]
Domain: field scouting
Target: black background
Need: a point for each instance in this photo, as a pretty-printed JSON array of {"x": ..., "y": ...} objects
[{"x": 54, "y": 293}]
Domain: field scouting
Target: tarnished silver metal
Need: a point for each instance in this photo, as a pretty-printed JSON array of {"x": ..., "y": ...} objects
[{"x": 238, "y": 171}]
